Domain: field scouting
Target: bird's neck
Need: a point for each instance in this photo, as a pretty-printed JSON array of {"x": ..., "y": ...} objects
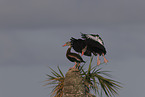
[{"x": 69, "y": 49}]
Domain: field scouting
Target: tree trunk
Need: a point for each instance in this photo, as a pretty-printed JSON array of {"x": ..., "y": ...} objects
[{"x": 73, "y": 85}]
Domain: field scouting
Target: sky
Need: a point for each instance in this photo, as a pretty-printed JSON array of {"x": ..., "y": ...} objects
[{"x": 32, "y": 33}]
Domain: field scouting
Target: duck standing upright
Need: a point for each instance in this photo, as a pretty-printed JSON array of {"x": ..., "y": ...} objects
[
  {"x": 95, "y": 44},
  {"x": 73, "y": 57}
]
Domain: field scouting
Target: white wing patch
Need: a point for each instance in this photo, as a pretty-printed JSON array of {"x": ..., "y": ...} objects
[{"x": 95, "y": 38}]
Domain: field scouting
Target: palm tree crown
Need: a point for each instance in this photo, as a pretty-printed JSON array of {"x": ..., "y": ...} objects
[{"x": 93, "y": 80}]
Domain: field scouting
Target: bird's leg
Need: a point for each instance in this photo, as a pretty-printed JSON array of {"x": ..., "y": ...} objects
[
  {"x": 78, "y": 65},
  {"x": 74, "y": 66},
  {"x": 82, "y": 53},
  {"x": 105, "y": 60},
  {"x": 98, "y": 60},
  {"x": 84, "y": 50}
]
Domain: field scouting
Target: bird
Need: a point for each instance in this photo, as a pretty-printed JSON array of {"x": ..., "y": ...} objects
[
  {"x": 73, "y": 57},
  {"x": 79, "y": 46},
  {"x": 95, "y": 44}
]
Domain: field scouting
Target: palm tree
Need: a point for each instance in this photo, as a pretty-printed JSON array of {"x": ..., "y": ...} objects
[{"x": 90, "y": 80}]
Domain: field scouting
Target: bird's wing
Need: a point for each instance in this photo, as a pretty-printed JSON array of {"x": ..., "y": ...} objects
[
  {"x": 93, "y": 37},
  {"x": 74, "y": 57},
  {"x": 95, "y": 44}
]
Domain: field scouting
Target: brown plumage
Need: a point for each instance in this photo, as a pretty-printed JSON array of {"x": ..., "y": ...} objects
[{"x": 73, "y": 57}]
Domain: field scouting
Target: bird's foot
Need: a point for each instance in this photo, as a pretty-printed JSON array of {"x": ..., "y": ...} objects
[
  {"x": 74, "y": 66},
  {"x": 74, "y": 69},
  {"x": 98, "y": 62},
  {"x": 105, "y": 60}
]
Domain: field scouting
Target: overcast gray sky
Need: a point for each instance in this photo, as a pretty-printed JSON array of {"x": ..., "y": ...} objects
[{"x": 32, "y": 33}]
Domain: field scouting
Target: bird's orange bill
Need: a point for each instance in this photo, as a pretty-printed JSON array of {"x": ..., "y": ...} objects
[
  {"x": 82, "y": 53},
  {"x": 64, "y": 45}
]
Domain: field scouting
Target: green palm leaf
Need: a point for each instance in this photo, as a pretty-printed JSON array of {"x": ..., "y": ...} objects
[
  {"x": 57, "y": 80},
  {"x": 94, "y": 80},
  {"x": 60, "y": 71}
]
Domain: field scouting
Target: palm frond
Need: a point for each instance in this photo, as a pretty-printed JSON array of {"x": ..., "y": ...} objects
[
  {"x": 60, "y": 71},
  {"x": 55, "y": 73},
  {"x": 89, "y": 69},
  {"x": 94, "y": 80},
  {"x": 109, "y": 86},
  {"x": 57, "y": 80}
]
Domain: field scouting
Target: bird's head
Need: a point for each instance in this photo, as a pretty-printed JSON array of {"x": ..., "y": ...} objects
[{"x": 67, "y": 44}]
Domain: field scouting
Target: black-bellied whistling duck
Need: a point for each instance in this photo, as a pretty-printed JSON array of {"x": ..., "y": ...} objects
[
  {"x": 73, "y": 57},
  {"x": 95, "y": 44},
  {"x": 79, "y": 46}
]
